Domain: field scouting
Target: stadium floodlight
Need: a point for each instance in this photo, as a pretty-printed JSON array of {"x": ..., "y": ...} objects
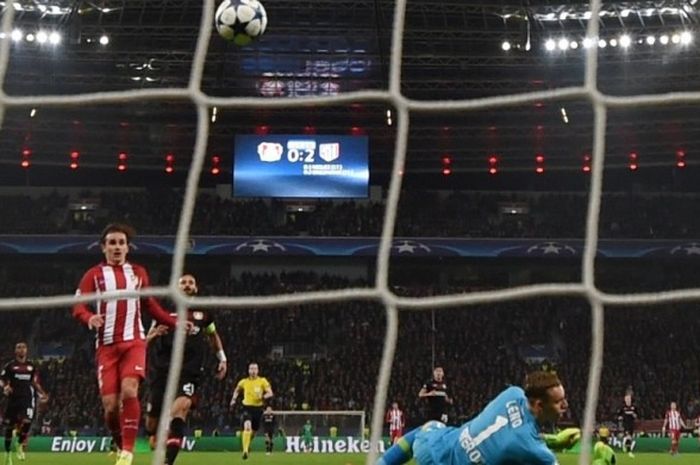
[
  {"x": 563, "y": 43},
  {"x": 29, "y": 37},
  {"x": 625, "y": 13},
  {"x": 573, "y": 45},
  {"x": 17, "y": 35},
  {"x": 686, "y": 37},
  {"x": 676, "y": 38},
  {"x": 42, "y": 37},
  {"x": 104, "y": 40},
  {"x": 506, "y": 46},
  {"x": 613, "y": 42},
  {"x": 651, "y": 40},
  {"x": 588, "y": 42},
  {"x": 550, "y": 45},
  {"x": 664, "y": 39},
  {"x": 55, "y": 38},
  {"x": 625, "y": 41},
  {"x": 602, "y": 43}
]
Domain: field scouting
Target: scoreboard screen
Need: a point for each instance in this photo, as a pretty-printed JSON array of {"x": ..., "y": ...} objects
[{"x": 301, "y": 166}]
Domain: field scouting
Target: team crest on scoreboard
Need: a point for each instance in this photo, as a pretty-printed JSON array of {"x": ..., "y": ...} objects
[{"x": 329, "y": 152}]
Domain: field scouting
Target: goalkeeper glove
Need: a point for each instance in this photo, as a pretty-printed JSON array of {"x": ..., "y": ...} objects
[{"x": 565, "y": 439}]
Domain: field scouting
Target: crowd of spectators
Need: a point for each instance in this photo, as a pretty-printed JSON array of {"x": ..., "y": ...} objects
[
  {"x": 421, "y": 213},
  {"x": 330, "y": 353}
]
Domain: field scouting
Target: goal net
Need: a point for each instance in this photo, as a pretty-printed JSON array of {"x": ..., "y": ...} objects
[{"x": 380, "y": 292}]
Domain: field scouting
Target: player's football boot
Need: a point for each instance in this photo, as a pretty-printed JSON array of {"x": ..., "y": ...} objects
[
  {"x": 124, "y": 458},
  {"x": 20, "y": 452},
  {"x": 245, "y": 455}
]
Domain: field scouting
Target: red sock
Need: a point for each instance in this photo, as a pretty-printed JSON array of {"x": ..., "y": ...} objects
[{"x": 131, "y": 412}]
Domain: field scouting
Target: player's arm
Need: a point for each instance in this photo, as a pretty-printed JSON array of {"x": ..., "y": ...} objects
[
  {"x": 448, "y": 399},
  {"x": 238, "y": 389},
  {"x": 155, "y": 331},
  {"x": 564, "y": 439},
  {"x": 153, "y": 307},
  {"x": 539, "y": 454},
  {"x": 267, "y": 390},
  {"x": 82, "y": 311},
  {"x": 424, "y": 392},
  {"x": 218, "y": 348},
  {"x": 663, "y": 428},
  {"x": 43, "y": 395},
  {"x": 5, "y": 380}
]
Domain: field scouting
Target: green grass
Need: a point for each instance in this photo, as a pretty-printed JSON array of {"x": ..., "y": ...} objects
[{"x": 280, "y": 458}]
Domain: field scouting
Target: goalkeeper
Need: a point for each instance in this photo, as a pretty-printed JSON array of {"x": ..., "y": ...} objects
[
  {"x": 507, "y": 431},
  {"x": 602, "y": 452}
]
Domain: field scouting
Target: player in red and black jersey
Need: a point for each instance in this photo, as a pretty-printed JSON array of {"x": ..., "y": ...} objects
[
  {"x": 437, "y": 394},
  {"x": 627, "y": 416},
  {"x": 20, "y": 383},
  {"x": 160, "y": 343}
]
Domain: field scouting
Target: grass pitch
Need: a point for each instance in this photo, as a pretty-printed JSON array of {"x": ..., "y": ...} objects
[{"x": 280, "y": 458}]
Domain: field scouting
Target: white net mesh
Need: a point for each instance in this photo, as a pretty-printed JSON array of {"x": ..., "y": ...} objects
[{"x": 380, "y": 292}]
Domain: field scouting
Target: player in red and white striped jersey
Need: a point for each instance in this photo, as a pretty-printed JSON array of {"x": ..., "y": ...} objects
[
  {"x": 397, "y": 422},
  {"x": 121, "y": 346},
  {"x": 675, "y": 424}
]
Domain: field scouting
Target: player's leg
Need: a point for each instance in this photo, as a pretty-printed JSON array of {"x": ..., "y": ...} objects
[
  {"x": 675, "y": 439},
  {"x": 9, "y": 425},
  {"x": 23, "y": 436},
  {"x": 180, "y": 410},
  {"x": 132, "y": 366},
  {"x": 108, "y": 384},
  {"x": 254, "y": 426},
  {"x": 632, "y": 444},
  {"x": 154, "y": 403},
  {"x": 247, "y": 420},
  {"x": 269, "y": 436}
]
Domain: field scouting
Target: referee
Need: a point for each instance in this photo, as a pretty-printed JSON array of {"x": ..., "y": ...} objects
[{"x": 256, "y": 389}]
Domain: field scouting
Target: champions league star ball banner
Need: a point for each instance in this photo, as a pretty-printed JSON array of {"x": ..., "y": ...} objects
[{"x": 298, "y": 166}]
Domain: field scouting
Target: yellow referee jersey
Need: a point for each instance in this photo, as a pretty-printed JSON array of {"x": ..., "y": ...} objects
[{"x": 253, "y": 390}]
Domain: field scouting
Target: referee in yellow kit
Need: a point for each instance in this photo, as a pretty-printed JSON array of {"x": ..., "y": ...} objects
[{"x": 256, "y": 390}]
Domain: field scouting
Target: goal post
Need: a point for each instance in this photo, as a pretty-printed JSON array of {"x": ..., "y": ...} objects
[{"x": 325, "y": 423}]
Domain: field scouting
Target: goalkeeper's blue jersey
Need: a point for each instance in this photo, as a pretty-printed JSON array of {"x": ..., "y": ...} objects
[{"x": 504, "y": 433}]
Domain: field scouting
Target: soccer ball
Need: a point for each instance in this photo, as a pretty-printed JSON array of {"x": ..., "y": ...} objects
[{"x": 240, "y": 21}]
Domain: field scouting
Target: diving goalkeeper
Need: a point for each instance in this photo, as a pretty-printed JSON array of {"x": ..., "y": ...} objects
[{"x": 507, "y": 431}]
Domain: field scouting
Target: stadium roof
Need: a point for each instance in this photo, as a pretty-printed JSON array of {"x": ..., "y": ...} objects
[{"x": 452, "y": 50}]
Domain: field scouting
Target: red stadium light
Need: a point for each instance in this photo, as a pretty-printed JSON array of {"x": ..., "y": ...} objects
[
  {"x": 121, "y": 161},
  {"x": 446, "y": 171},
  {"x": 215, "y": 162},
  {"x": 356, "y": 131},
  {"x": 493, "y": 164},
  {"x": 262, "y": 130},
  {"x": 633, "y": 161},
  {"x": 587, "y": 163},
  {"x": 539, "y": 161},
  {"x": 74, "y": 157},
  {"x": 309, "y": 130},
  {"x": 169, "y": 161},
  {"x": 680, "y": 159},
  {"x": 26, "y": 155}
]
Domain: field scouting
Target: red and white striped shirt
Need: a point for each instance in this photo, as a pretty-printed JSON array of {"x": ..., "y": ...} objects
[
  {"x": 122, "y": 317},
  {"x": 395, "y": 419},
  {"x": 673, "y": 418}
]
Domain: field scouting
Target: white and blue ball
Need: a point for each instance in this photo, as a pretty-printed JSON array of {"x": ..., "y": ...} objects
[{"x": 240, "y": 21}]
